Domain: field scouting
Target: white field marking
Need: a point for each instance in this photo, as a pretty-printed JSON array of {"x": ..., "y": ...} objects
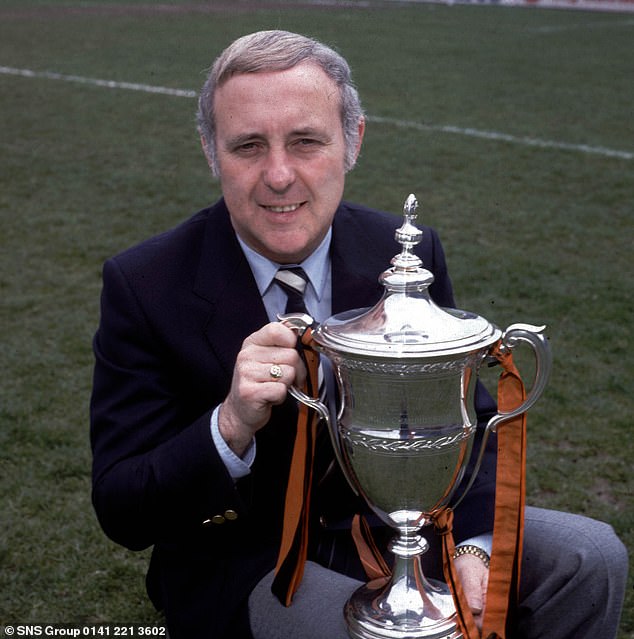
[
  {"x": 505, "y": 137},
  {"x": 109, "y": 84},
  {"x": 574, "y": 26},
  {"x": 405, "y": 124}
]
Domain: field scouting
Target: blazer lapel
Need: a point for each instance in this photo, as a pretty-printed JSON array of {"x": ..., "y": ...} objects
[
  {"x": 356, "y": 266},
  {"x": 225, "y": 280}
]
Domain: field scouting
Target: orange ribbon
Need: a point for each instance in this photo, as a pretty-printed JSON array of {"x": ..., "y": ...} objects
[
  {"x": 510, "y": 497},
  {"x": 294, "y": 545},
  {"x": 371, "y": 558}
]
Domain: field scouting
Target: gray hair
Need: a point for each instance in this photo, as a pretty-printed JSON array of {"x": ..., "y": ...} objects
[{"x": 266, "y": 51}]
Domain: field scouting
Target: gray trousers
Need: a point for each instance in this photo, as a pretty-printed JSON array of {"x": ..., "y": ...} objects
[{"x": 574, "y": 571}]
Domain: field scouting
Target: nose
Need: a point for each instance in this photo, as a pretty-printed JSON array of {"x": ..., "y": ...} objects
[{"x": 278, "y": 173}]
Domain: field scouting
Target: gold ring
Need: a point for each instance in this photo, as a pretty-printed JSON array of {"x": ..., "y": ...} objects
[{"x": 275, "y": 372}]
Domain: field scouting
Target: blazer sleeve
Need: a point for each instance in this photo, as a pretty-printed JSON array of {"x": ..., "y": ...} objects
[{"x": 156, "y": 472}]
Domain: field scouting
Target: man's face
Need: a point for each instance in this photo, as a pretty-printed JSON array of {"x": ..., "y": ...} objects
[{"x": 280, "y": 147}]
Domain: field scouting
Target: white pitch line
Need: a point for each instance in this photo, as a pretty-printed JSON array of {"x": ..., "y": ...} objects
[
  {"x": 109, "y": 84},
  {"x": 505, "y": 137},
  {"x": 575, "y": 26},
  {"x": 406, "y": 124}
]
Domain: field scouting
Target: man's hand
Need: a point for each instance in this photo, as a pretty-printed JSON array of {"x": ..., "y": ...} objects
[
  {"x": 474, "y": 576},
  {"x": 253, "y": 393}
]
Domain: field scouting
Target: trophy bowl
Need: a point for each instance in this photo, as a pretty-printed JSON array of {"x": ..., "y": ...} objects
[{"x": 403, "y": 432}]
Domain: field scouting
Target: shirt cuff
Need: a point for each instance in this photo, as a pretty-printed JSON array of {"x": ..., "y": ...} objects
[
  {"x": 484, "y": 542},
  {"x": 237, "y": 466}
]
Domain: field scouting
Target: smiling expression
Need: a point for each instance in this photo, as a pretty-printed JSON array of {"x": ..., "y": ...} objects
[{"x": 281, "y": 156}]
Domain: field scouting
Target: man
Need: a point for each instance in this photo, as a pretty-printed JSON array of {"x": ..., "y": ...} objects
[{"x": 192, "y": 429}]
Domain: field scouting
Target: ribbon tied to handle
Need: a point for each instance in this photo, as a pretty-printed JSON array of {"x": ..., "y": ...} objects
[
  {"x": 510, "y": 498},
  {"x": 294, "y": 545}
]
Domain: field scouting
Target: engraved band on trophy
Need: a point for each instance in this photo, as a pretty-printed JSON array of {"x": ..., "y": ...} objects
[{"x": 406, "y": 371}]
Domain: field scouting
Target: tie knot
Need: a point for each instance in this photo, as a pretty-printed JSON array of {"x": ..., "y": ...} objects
[
  {"x": 292, "y": 277},
  {"x": 293, "y": 280}
]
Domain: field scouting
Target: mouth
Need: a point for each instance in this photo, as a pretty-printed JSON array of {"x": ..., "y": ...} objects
[{"x": 286, "y": 208}]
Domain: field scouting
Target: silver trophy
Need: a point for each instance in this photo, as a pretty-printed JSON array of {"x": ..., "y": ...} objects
[{"x": 406, "y": 371}]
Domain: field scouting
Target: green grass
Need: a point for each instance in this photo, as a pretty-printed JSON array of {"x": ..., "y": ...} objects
[{"x": 540, "y": 235}]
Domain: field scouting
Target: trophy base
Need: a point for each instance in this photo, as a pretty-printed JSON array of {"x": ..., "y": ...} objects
[{"x": 384, "y": 609}]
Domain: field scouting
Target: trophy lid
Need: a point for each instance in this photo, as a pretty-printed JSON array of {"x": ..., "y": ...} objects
[{"x": 406, "y": 322}]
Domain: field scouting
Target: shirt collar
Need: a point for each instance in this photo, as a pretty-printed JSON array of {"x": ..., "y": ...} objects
[{"x": 315, "y": 266}]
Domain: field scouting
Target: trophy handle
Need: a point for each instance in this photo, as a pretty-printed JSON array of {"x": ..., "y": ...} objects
[
  {"x": 316, "y": 404},
  {"x": 532, "y": 335},
  {"x": 300, "y": 322}
]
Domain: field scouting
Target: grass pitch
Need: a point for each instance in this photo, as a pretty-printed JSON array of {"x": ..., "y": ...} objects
[{"x": 512, "y": 126}]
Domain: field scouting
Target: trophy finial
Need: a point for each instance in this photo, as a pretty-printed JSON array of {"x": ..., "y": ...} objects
[
  {"x": 408, "y": 236},
  {"x": 409, "y": 208}
]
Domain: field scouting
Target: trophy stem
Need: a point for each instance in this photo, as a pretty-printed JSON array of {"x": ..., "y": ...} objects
[{"x": 407, "y": 605}]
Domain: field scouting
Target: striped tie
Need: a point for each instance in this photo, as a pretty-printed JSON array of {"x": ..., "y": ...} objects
[
  {"x": 293, "y": 280},
  {"x": 294, "y": 544}
]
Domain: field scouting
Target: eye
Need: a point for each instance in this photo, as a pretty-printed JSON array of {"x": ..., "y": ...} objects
[
  {"x": 307, "y": 144},
  {"x": 246, "y": 147}
]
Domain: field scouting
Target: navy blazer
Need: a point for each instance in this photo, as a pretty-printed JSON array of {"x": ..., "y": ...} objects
[{"x": 175, "y": 311}]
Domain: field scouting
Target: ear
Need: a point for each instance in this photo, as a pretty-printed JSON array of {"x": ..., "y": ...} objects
[
  {"x": 212, "y": 165},
  {"x": 361, "y": 133}
]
